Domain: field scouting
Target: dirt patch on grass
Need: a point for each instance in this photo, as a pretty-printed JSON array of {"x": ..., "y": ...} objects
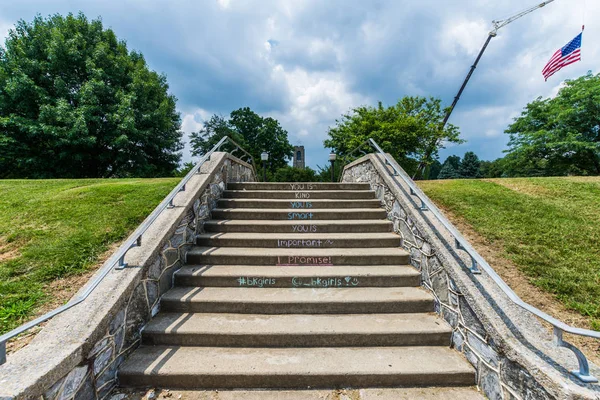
[
  {"x": 522, "y": 186},
  {"x": 583, "y": 179},
  {"x": 8, "y": 250},
  {"x": 520, "y": 283},
  {"x": 62, "y": 290}
]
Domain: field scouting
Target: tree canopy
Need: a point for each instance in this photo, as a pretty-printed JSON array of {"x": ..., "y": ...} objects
[
  {"x": 74, "y": 102},
  {"x": 470, "y": 166},
  {"x": 253, "y": 132},
  {"x": 409, "y": 130},
  {"x": 450, "y": 168},
  {"x": 558, "y": 136}
]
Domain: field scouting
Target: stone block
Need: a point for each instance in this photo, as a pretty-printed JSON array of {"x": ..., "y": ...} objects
[
  {"x": 117, "y": 322},
  {"x": 426, "y": 249},
  {"x": 471, "y": 357},
  {"x": 166, "y": 279},
  {"x": 152, "y": 292},
  {"x": 119, "y": 339},
  {"x": 100, "y": 346},
  {"x": 406, "y": 232},
  {"x": 520, "y": 381},
  {"x": 450, "y": 316},
  {"x": 102, "y": 360},
  {"x": 489, "y": 382},
  {"x": 415, "y": 254},
  {"x": 469, "y": 318},
  {"x": 171, "y": 256},
  {"x": 484, "y": 350},
  {"x": 439, "y": 283},
  {"x": 458, "y": 340},
  {"x": 54, "y": 390},
  {"x": 156, "y": 268},
  {"x": 105, "y": 390},
  {"x": 87, "y": 391},
  {"x": 137, "y": 314},
  {"x": 73, "y": 381}
]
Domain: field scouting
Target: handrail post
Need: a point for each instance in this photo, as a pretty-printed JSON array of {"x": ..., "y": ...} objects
[
  {"x": 583, "y": 373},
  {"x": 2, "y": 352},
  {"x": 423, "y": 206}
]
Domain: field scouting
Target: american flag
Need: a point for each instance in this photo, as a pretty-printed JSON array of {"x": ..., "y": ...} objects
[{"x": 569, "y": 54}]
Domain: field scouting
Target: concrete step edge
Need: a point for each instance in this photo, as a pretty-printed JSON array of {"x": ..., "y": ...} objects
[
  {"x": 180, "y": 367},
  {"x": 297, "y": 330}
]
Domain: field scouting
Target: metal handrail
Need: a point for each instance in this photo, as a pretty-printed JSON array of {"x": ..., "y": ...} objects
[
  {"x": 478, "y": 261},
  {"x": 117, "y": 260}
]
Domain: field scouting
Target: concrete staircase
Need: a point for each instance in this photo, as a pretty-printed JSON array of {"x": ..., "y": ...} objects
[{"x": 297, "y": 286}]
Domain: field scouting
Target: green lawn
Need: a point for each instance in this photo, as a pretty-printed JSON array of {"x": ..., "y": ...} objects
[
  {"x": 549, "y": 227},
  {"x": 56, "y": 228}
]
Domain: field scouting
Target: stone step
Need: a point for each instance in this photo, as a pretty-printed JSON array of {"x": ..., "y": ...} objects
[
  {"x": 220, "y": 367},
  {"x": 278, "y": 256},
  {"x": 299, "y": 194},
  {"x": 355, "y": 300},
  {"x": 297, "y": 186},
  {"x": 306, "y": 227},
  {"x": 300, "y": 277},
  {"x": 299, "y": 204},
  {"x": 299, "y": 240},
  {"x": 299, "y": 215},
  {"x": 293, "y": 330},
  {"x": 408, "y": 393}
]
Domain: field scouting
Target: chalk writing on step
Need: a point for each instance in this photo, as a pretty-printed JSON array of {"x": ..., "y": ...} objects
[
  {"x": 303, "y": 242},
  {"x": 324, "y": 282},
  {"x": 303, "y": 260},
  {"x": 304, "y": 228},
  {"x": 295, "y": 215},
  {"x": 301, "y": 204},
  {"x": 255, "y": 282},
  {"x": 301, "y": 186},
  {"x": 302, "y": 195}
]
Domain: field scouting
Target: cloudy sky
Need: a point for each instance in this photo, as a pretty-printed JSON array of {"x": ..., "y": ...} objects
[{"x": 306, "y": 62}]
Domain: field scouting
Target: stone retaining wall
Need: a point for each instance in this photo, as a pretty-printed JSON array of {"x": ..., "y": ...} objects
[
  {"x": 87, "y": 368},
  {"x": 510, "y": 350}
]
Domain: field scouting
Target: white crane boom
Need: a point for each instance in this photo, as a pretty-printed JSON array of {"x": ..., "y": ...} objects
[
  {"x": 503, "y": 22},
  {"x": 497, "y": 25}
]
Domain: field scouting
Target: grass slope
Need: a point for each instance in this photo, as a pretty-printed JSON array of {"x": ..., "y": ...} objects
[
  {"x": 549, "y": 227},
  {"x": 52, "y": 229}
]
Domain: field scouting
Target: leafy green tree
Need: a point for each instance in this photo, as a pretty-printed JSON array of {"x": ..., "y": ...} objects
[
  {"x": 409, "y": 130},
  {"x": 291, "y": 174},
  {"x": 450, "y": 168},
  {"x": 470, "y": 166},
  {"x": 184, "y": 169},
  {"x": 433, "y": 170},
  {"x": 213, "y": 130},
  {"x": 253, "y": 132},
  {"x": 74, "y": 102},
  {"x": 324, "y": 173},
  {"x": 558, "y": 136},
  {"x": 493, "y": 169}
]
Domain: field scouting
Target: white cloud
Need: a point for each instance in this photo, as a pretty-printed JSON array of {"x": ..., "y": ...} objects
[
  {"x": 463, "y": 36},
  {"x": 224, "y": 4},
  {"x": 192, "y": 122},
  {"x": 4, "y": 28}
]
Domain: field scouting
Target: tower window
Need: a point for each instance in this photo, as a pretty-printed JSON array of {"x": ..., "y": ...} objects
[{"x": 299, "y": 155}]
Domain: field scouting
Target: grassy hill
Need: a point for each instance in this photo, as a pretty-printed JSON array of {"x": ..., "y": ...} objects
[
  {"x": 51, "y": 229},
  {"x": 549, "y": 228}
]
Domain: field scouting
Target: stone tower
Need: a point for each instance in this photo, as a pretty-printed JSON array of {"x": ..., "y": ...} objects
[{"x": 298, "y": 156}]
